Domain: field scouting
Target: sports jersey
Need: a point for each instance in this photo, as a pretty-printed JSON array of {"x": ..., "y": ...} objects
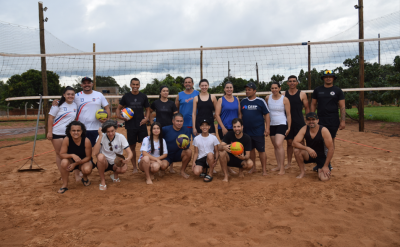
[
  {"x": 146, "y": 146},
  {"x": 165, "y": 111},
  {"x": 205, "y": 144},
  {"x": 186, "y": 106},
  {"x": 63, "y": 115},
  {"x": 136, "y": 102},
  {"x": 328, "y": 99},
  {"x": 253, "y": 112},
  {"x": 170, "y": 135},
  {"x": 88, "y": 105},
  {"x": 118, "y": 144}
]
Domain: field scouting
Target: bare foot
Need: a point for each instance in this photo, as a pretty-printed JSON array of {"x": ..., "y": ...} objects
[
  {"x": 148, "y": 181},
  {"x": 184, "y": 175},
  {"x": 250, "y": 171},
  {"x": 265, "y": 173},
  {"x": 276, "y": 169},
  {"x": 231, "y": 171},
  {"x": 281, "y": 172},
  {"x": 152, "y": 176},
  {"x": 241, "y": 174},
  {"x": 287, "y": 166},
  {"x": 161, "y": 173},
  {"x": 171, "y": 170},
  {"x": 135, "y": 170},
  {"x": 225, "y": 179},
  {"x": 301, "y": 175},
  {"x": 214, "y": 171}
]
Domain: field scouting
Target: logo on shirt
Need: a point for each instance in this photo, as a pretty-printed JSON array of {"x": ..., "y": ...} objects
[
  {"x": 250, "y": 107},
  {"x": 94, "y": 99},
  {"x": 332, "y": 93},
  {"x": 116, "y": 146},
  {"x": 82, "y": 99},
  {"x": 65, "y": 108},
  {"x": 188, "y": 100},
  {"x": 244, "y": 107},
  {"x": 135, "y": 100},
  {"x": 74, "y": 110}
]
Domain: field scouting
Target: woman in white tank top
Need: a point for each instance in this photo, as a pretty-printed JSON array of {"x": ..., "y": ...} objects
[{"x": 279, "y": 107}]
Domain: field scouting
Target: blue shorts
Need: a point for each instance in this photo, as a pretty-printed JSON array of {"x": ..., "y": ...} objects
[
  {"x": 92, "y": 136},
  {"x": 174, "y": 157}
]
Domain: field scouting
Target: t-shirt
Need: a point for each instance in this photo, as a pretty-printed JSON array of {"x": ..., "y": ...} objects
[
  {"x": 205, "y": 144},
  {"x": 165, "y": 111},
  {"x": 170, "y": 135},
  {"x": 63, "y": 115},
  {"x": 230, "y": 137},
  {"x": 186, "y": 106},
  {"x": 119, "y": 143},
  {"x": 88, "y": 105},
  {"x": 253, "y": 112},
  {"x": 146, "y": 146},
  {"x": 328, "y": 99},
  {"x": 136, "y": 103}
]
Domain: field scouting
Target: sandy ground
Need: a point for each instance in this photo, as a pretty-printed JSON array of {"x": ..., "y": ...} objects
[{"x": 360, "y": 206}]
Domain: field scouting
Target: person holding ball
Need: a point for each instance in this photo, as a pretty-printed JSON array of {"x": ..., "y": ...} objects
[
  {"x": 175, "y": 153},
  {"x": 205, "y": 152},
  {"x": 109, "y": 150},
  {"x": 241, "y": 161}
]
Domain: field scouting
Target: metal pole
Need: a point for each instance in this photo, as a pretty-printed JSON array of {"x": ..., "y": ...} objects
[
  {"x": 26, "y": 110},
  {"x": 201, "y": 63},
  {"x": 94, "y": 67},
  {"x": 229, "y": 72},
  {"x": 379, "y": 49},
  {"x": 36, "y": 131},
  {"x": 361, "y": 64},
  {"x": 309, "y": 73},
  {"x": 258, "y": 79},
  {"x": 43, "y": 63}
]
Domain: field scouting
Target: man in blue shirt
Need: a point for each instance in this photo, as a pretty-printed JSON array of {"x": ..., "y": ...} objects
[
  {"x": 255, "y": 115},
  {"x": 170, "y": 134}
]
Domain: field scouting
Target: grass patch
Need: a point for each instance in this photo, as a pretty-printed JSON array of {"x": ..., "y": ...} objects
[
  {"x": 379, "y": 113},
  {"x": 25, "y": 138}
]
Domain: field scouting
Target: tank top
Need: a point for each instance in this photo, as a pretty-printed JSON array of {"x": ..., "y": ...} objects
[
  {"x": 186, "y": 106},
  {"x": 204, "y": 110},
  {"x": 77, "y": 150},
  {"x": 229, "y": 111},
  {"x": 317, "y": 144},
  {"x": 296, "y": 108},
  {"x": 277, "y": 111}
]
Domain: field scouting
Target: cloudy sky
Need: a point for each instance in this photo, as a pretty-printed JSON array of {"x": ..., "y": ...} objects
[{"x": 116, "y": 25}]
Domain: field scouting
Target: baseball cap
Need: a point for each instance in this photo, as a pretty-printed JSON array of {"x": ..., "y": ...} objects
[
  {"x": 205, "y": 121},
  {"x": 251, "y": 85},
  {"x": 312, "y": 115},
  {"x": 329, "y": 73},
  {"x": 86, "y": 79}
]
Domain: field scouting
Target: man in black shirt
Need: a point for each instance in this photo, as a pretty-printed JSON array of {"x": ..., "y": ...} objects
[
  {"x": 242, "y": 161},
  {"x": 316, "y": 137},
  {"x": 329, "y": 97},
  {"x": 136, "y": 128}
]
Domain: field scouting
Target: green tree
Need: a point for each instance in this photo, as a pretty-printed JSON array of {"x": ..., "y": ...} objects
[{"x": 175, "y": 85}]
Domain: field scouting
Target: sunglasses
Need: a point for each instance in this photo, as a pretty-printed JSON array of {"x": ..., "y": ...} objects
[
  {"x": 109, "y": 144},
  {"x": 327, "y": 72}
]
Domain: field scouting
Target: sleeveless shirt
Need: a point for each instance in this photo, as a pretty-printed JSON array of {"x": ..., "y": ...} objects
[
  {"x": 317, "y": 144},
  {"x": 186, "y": 106},
  {"x": 204, "y": 110},
  {"x": 277, "y": 111},
  {"x": 229, "y": 111},
  {"x": 77, "y": 150},
  {"x": 296, "y": 108}
]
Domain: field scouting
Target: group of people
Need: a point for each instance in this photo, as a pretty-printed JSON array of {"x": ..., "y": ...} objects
[{"x": 77, "y": 135}]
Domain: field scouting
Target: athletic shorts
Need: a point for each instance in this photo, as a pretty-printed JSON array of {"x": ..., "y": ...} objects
[
  {"x": 319, "y": 161},
  {"x": 136, "y": 135},
  {"x": 294, "y": 130},
  {"x": 174, "y": 157},
  {"x": 58, "y": 136},
  {"x": 77, "y": 167},
  {"x": 92, "y": 136},
  {"x": 202, "y": 162},
  {"x": 234, "y": 161},
  {"x": 277, "y": 129},
  {"x": 258, "y": 142},
  {"x": 332, "y": 130},
  {"x": 220, "y": 134}
]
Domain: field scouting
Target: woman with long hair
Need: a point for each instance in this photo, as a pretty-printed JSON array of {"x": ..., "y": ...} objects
[
  {"x": 76, "y": 153},
  {"x": 203, "y": 107},
  {"x": 279, "y": 107},
  {"x": 154, "y": 151},
  {"x": 59, "y": 117},
  {"x": 164, "y": 107}
]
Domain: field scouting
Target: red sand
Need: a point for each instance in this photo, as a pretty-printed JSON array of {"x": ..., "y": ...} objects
[{"x": 360, "y": 206}]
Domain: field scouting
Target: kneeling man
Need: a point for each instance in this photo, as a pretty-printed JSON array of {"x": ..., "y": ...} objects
[
  {"x": 242, "y": 161},
  {"x": 109, "y": 149},
  {"x": 316, "y": 137}
]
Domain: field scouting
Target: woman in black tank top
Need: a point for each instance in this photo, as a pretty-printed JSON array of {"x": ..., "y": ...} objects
[
  {"x": 204, "y": 105},
  {"x": 76, "y": 153}
]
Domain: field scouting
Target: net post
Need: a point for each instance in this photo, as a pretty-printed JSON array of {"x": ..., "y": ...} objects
[
  {"x": 309, "y": 73},
  {"x": 361, "y": 65},
  {"x": 379, "y": 49},
  {"x": 201, "y": 63},
  {"x": 258, "y": 79},
  {"x": 8, "y": 111},
  {"x": 94, "y": 67},
  {"x": 26, "y": 110}
]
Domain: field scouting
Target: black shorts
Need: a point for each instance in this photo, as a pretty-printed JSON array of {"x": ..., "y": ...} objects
[
  {"x": 221, "y": 135},
  {"x": 77, "y": 167},
  {"x": 58, "y": 136},
  {"x": 332, "y": 130},
  {"x": 319, "y": 161},
  {"x": 202, "y": 162},
  {"x": 92, "y": 136},
  {"x": 234, "y": 161},
  {"x": 277, "y": 129},
  {"x": 109, "y": 167},
  {"x": 258, "y": 142},
  {"x": 136, "y": 135},
  {"x": 294, "y": 130},
  {"x": 174, "y": 157}
]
